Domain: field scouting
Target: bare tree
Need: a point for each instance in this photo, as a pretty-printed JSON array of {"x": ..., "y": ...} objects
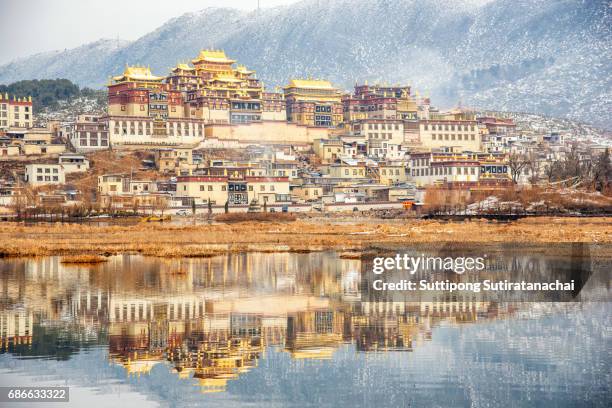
[
  {"x": 552, "y": 171},
  {"x": 87, "y": 202},
  {"x": 516, "y": 163},
  {"x": 533, "y": 166},
  {"x": 109, "y": 207},
  {"x": 571, "y": 164},
  {"x": 19, "y": 203},
  {"x": 135, "y": 206},
  {"x": 162, "y": 204},
  {"x": 24, "y": 199}
]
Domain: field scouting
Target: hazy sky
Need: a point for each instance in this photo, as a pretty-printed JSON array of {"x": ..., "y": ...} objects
[{"x": 31, "y": 26}]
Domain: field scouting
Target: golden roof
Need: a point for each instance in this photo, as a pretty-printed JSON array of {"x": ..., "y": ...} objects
[
  {"x": 227, "y": 78},
  {"x": 183, "y": 67},
  {"x": 137, "y": 73},
  {"x": 310, "y": 84},
  {"x": 213, "y": 56},
  {"x": 243, "y": 70},
  {"x": 408, "y": 104}
]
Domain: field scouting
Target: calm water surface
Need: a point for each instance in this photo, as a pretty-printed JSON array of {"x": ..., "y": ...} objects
[{"x": 288, "y": 330}]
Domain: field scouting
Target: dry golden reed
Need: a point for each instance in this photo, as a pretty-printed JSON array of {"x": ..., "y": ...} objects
[{"x": 304, "y": 235}]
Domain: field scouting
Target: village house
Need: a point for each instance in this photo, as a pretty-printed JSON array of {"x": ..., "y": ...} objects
[
  {"x": 39, "y": 174},
  {"x": 282, "y": 168},
  {"x": 7, "y": 148},
  {"x": 369, "y": 191},
  {"x": 402, "y": 192},
  {"x": 121, "y": 191},
  {"x": 328, "y": 150},
  {"x": 347, "y": 197},
  {"x": 384, "y": 136},
  {"x": 39, "y": 149},
  {"x": 353, "y": 149},
  {"x": 379, "y": 101},
  {"x": 124, "y": 184},
  {"x": 346, "y": 169},
  {"x": 431, "y": 168},
  {"x": 203, "y": 189},
  {"x": 308, "y": 192},
  {"x": 154, "y": 202},
  {"x": 459, "y": 134},
  {"x": 176, "y": 160},
  {"x": 232, "y": 170},
  {"x": 141, "y": 186},
  {"x": 34, "y": 141},
  {"x": 497, "y": 126},
  {"x": 56, "y": 198},
  {"x": 449, "y": 167},
  {"x": 239, "y": 191},
  {"x": 268, "y": 189},
  {"x": 113, "y": 184},
  {"x": 87, "y": 133},
  {"x": 10, "y": 193},
  {"x": 392, "y": 172},
  {"x": 15, "y": 112},
  {"x": 73, "y": 163}
]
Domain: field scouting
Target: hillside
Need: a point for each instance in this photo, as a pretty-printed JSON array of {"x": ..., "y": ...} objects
[
  {"x": 49, "y": 93},
  {"x": 549, "y": 56},
  {"x": 84, "y": 65}
]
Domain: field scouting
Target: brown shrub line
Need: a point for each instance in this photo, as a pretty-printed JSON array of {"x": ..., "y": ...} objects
[
  {"x": 83, "y": 259},
  {"x": 256, "y": 216}
]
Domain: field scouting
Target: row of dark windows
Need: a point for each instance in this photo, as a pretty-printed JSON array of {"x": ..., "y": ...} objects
[
  {"x": 246, "y": 105},
  {"x": 158, "y": 97},
  {"x": 323, "y": 109}
]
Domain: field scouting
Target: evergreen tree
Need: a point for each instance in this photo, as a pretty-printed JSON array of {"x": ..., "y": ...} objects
[{"x": 46, "y": 93}]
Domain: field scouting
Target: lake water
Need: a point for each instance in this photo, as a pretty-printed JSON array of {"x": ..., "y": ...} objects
[{"x": 283, "y": 329}]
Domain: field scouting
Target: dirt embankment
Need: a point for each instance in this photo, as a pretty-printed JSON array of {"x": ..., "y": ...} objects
[{"x": 299, "y": 236}]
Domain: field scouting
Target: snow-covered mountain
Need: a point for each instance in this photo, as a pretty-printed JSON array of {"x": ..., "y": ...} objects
[
  {"x": 84, "y": 65},
  {"x": 549, "y": 56}
]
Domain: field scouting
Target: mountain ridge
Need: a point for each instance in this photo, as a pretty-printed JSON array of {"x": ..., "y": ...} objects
[{"x": 548, "y": 56}]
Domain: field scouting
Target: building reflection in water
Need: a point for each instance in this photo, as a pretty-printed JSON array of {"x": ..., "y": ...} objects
[{"x": 211, "y": 320}]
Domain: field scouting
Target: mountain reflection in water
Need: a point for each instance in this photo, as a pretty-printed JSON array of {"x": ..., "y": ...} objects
[{"x": 290, "y": 329}]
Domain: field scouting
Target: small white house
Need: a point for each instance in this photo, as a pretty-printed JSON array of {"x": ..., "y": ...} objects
[
  {"x": 73, "y": 163},
  {"x": 349, "y": 198},
  {"x": 40, "y": 174}
]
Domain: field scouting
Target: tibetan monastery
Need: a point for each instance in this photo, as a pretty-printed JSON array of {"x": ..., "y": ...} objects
[
  {"x": 215, "y": 98},
  {"x": 218, "y": 92},
  {"x": 313, "y": 102}
]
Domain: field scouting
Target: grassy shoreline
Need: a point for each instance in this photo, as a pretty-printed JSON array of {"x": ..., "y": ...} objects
[{"x": 168, "y": 240}]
